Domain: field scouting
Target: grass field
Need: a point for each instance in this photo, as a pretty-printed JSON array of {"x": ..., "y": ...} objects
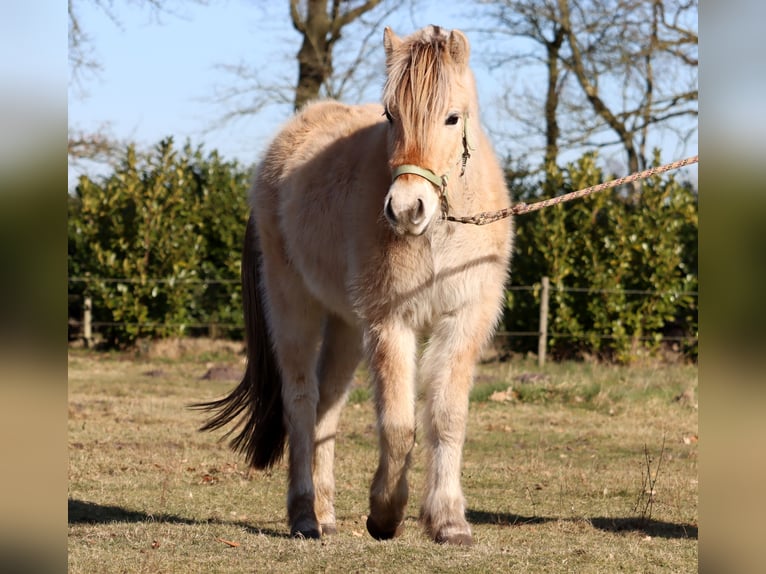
[{"x": 578, "y": 467}]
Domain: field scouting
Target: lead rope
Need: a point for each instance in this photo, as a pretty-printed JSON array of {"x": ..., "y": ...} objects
[{"x": 486, "y": 217}]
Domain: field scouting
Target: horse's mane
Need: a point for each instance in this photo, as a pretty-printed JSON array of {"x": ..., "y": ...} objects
[{"x": 419, "y": 73}]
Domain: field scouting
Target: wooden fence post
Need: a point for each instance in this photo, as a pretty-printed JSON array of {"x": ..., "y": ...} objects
[
  {"x": 542, "y": 344},
  {"x": 87, "y": 329}
]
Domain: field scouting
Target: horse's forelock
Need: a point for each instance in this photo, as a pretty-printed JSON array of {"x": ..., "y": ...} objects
[{"x": 417, "y": 88}]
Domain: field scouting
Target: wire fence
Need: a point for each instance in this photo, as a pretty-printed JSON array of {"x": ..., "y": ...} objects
[
  {"x": 85, "y": 326},
  {"x": 643, "y": 292}
]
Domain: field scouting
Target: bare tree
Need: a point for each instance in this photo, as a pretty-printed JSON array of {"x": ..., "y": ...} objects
[
  {"x": 83, "y": 59},
  {"x": 320, "y": 25},
  {"x": 323, "y": 69},
  {"x": 535, "y": 21},
  {"x": 84, "y": 64},
  {"x": 327, "y": 67},
  {"x": 622, "y": 67},
  {"x": 80, "y": 58}
]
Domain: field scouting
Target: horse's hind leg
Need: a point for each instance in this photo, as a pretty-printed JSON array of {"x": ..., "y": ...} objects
[
  {"x": 300, "y": 396},
  {"x": 339, "y": 357},
  {"x": 295, "y": 319},
  {"x": 392, "y": 350}
]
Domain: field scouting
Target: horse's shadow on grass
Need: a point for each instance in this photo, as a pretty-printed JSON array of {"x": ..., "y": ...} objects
[
  {"x": 83, "y": 512},
  {"x": 648, "y": 526}
]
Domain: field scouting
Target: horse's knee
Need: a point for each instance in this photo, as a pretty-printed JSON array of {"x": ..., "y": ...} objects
[{"x": 396, "y": 440}]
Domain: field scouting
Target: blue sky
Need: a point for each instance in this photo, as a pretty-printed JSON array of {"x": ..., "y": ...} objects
[
  {"x": 157, "y": 77},
  {"x": 161, "y": 78}
]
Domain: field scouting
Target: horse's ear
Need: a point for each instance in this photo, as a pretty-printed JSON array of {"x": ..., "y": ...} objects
[
  {"x": 390, "y": 41},
  {"x": 458, "y": 46}
]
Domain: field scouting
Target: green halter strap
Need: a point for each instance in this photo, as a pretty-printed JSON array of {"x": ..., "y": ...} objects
[{"x": 438, "y": 181}]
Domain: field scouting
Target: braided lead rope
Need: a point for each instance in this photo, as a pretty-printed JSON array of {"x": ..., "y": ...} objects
[{"x": 490, "y": 216}]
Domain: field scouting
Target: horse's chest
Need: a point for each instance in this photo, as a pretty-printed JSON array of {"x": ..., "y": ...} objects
[
  {"x": 441, "y": 287},
  {"x": 442, "y": 297}
]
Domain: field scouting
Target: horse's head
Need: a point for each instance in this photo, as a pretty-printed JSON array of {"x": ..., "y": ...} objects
[{"x": 428, "y": 98}]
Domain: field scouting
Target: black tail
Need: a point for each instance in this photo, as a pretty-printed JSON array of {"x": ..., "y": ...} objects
[{"x": 256, "y": 403}]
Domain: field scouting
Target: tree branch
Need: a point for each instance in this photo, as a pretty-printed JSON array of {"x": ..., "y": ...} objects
[
  {"x": 591, "y": 91},
  {"x": 346, "y": 18},
  {"x": 295, "y": 16}
]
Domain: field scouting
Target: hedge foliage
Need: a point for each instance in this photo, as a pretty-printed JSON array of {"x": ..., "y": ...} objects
[
  {"x": 622, "y": 265},
  {"x": 159, "y": 241}
]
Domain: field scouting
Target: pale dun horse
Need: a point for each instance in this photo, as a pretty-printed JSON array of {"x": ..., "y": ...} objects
[{"x": 348, "y": 256}]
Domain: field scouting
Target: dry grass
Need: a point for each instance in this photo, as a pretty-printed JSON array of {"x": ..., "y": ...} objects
[{"x": 553, "y": 475}]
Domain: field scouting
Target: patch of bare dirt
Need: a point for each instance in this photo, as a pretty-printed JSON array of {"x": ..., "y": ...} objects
[
  {"x": 223, "y": 373},
  {"x": 180, "y": 348}
]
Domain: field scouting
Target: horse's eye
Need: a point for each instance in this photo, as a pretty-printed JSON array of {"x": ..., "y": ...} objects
[
  {"x": 452, "y": 120},
  {"x": 389, "y": 117}
]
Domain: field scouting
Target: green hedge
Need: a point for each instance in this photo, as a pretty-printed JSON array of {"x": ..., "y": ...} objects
[
  {"x": 622, "y": 265},
  {"x": 159, "y": 242},
  {"x": 156, "y": 244}
]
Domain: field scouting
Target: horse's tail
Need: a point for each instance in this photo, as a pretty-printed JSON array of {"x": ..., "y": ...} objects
[{"x": 256, "y": 403}]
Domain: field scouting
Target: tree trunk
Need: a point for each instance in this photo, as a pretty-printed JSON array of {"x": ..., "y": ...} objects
[
  {"x": 552, "y": 131},
  {"x": 648, "y": 103},
  {"x": 320, "y": 31},
  {"x": 314, "y": 57},
  {"x": 591, "y": 92}
]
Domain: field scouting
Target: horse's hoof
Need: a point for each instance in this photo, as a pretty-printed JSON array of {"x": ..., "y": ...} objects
[
  {"x": 329, "y": 529},
  {"x": 306, "y": 533},
  {"x": 379, "y": 533},
  {"x": 455, "y": 539}
]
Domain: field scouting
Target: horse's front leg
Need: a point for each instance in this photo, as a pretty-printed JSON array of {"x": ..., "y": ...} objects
[
  {"x": 448, "y": 365},
  {"x": 392, "y": 349}
]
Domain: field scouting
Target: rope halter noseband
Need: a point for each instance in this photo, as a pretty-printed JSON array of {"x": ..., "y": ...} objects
[{"x": 438, "y": 181}]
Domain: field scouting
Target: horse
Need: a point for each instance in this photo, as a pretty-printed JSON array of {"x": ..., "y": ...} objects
[{"x": 348, "y": 256}]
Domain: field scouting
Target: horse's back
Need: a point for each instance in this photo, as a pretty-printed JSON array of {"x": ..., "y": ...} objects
[
  {"x": 323, "y": 177},
  {"x": 308, "y": 138}
]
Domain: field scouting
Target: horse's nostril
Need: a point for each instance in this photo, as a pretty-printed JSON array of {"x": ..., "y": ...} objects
[
  {"x": 389, "y": 211},
  {"x": 418, "y": 213}
]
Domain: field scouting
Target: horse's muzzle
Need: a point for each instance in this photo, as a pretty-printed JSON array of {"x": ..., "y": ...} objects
[{"x": 410, "y": 205}]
